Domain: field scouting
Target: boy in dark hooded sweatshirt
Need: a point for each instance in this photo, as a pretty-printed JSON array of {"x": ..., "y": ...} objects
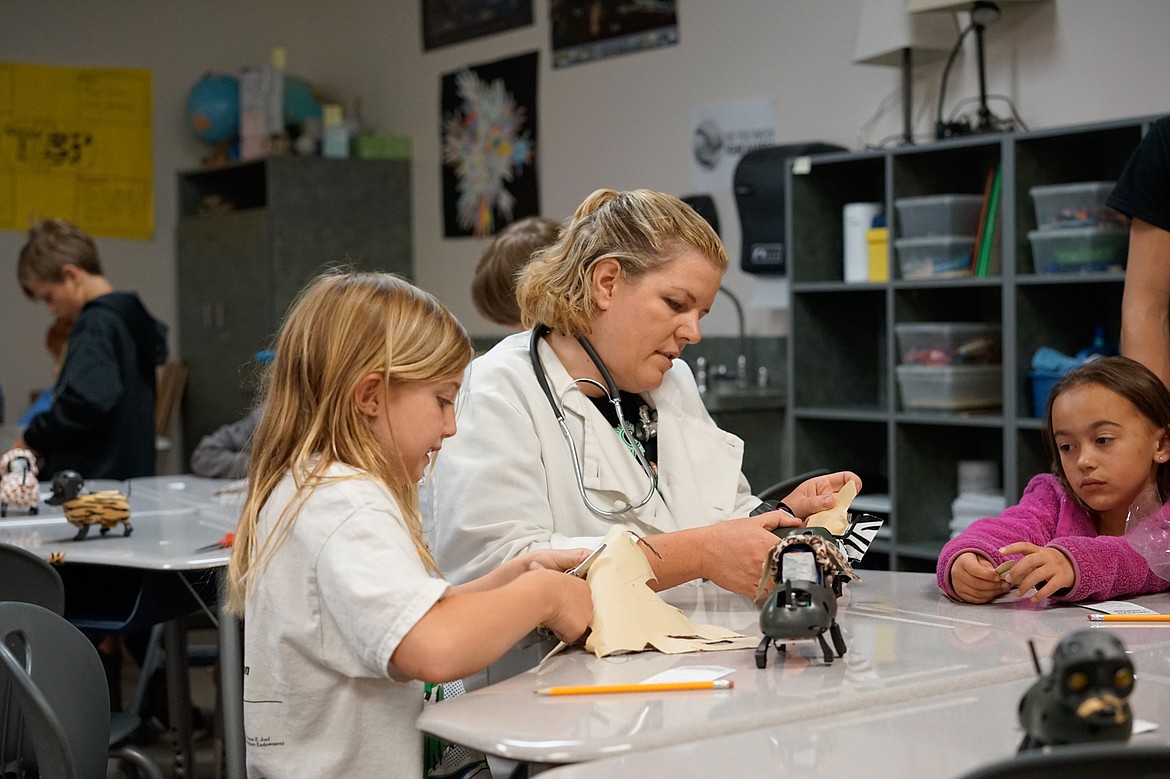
[{"x": 101, "y": 421}]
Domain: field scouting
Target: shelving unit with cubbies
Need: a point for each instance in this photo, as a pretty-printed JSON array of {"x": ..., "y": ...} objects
[{"x": 846, "y": 410}]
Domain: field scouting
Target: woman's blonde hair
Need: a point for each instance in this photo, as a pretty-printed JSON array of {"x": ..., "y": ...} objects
[
  {"x": 342, "y": 327},
  {"x": 643, "y": 230}
]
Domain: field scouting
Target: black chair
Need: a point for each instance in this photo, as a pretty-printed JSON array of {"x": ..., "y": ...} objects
[
  {"x": 26, "y": 578},
  {"x": 1081, "y": 761},
  {"x": 59, "y": 695}
]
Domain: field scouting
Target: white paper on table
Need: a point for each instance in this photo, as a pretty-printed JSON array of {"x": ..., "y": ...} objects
[
  {"x": 1117, "y": 607},
  {"x": 689, "y": 673}
]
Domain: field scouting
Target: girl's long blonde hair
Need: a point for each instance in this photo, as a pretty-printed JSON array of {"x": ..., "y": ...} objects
[{"x": 342, "y": 327}]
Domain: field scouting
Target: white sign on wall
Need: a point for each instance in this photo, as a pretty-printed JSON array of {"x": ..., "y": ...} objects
[{"x": 721, "y": 133}]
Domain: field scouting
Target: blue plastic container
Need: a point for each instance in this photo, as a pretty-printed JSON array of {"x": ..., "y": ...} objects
[{"x": 1042, "y": 383}]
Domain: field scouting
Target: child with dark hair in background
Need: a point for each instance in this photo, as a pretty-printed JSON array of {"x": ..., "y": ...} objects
[
  {"x": 1107, "y": 429},
  {"x": 101, "y": 421},
  {"x": 493, "y": 287}
]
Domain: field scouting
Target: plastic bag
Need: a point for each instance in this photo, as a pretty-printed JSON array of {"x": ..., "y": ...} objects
[{"x": 1147, "y": 530}]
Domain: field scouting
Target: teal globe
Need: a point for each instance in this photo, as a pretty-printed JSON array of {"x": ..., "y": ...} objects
[
  {"x": 213, "y": 108},
  {"x": 299, "y": 103}
]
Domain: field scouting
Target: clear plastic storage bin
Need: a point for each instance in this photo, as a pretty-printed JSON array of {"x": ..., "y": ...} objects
[
  {"x": 947, "y": 256},
  {"x": 1074, "y": 249},
  {"x": 949, "y": 343},
  {"x": 950, "y": 387},
  {"x": 938, "y": 215},
  {"x": 1080, "y": 204}
]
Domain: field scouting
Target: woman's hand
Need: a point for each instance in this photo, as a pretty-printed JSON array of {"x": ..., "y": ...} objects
[
  {"x": 819, "y": 493},
  {"x": 974, "y": 579},
  {"x": 1044, "y": 567},
  {"x": 732, "y": 553}
]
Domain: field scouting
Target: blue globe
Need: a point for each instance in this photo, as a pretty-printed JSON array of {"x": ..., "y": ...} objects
[
  {"x": 213, "y": 108},
  {"x": 299, "y": 103}
]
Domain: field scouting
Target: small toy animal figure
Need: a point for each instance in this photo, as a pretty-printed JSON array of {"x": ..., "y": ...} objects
[
  {"x": 809, "y": 570},
  {"x": 18, "y": 485},
  {"x": 106, "y": 508},
  {"x": 1084, "y": 697}
]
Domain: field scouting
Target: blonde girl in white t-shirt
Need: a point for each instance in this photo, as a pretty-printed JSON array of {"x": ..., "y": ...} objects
[{"x": 346, "y": 614}]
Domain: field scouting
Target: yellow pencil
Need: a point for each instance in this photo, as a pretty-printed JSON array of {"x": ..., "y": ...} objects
[
  {"x": 1129, "y": 617},
  {"x": 593, "y": 689}
]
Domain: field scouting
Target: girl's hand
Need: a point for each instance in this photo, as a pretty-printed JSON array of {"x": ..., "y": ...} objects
[
  {"x": 570, "y": 604},
  {"x": 1044, "y": 567},
  {"x": 975, "y": 580},
  {"x": 819, "y": 493},
  {"x": 553, "y": 559}
]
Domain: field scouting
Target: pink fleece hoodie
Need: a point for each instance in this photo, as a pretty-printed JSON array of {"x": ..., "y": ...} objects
[{"x": 1104, "y": 566}]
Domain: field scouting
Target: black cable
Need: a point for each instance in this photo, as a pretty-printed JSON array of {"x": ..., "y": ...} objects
[
  {"x": 942, "y": 89},
  {"x": 1004, "y": 98}
]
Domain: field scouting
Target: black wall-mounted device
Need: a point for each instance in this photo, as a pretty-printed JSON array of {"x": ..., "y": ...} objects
[{"x": 759, "y": 198}]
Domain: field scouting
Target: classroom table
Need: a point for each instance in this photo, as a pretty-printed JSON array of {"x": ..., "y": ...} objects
[
  {"x": 906, "y": 643},
  {"x": 941, "y": 736},
  {"x": 174, "y": 519}
]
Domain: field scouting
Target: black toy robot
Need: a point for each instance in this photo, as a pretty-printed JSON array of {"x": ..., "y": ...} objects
[
  {"x": 1085, "y": 695},
  {"x": 809, "y": 570}
]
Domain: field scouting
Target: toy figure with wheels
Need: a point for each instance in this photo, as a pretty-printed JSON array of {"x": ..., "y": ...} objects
[{"x": 809, "y": 570}]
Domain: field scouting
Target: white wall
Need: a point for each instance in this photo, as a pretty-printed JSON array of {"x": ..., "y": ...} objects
[{"x": 622, "y": 122}]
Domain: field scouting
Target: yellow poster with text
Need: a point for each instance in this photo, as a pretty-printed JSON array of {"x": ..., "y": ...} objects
[{"x": 76, "y": 143}]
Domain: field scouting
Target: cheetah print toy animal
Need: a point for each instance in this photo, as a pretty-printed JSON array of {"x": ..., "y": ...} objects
[
  {"x": 18, "y": 485},
  {"x": 106, "y": 508}
]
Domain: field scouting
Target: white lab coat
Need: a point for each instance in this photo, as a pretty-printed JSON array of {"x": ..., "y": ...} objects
[{"x": 504, "y": 484}]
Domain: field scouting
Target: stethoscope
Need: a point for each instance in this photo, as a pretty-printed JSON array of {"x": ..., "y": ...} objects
[{"x": 611, "y": 392}]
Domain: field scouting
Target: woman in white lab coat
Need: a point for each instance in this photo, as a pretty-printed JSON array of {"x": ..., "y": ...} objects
[{"x": 629, "y": 278}]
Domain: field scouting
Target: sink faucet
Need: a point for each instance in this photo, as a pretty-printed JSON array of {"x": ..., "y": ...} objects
[{"x": 741, "y": 361}]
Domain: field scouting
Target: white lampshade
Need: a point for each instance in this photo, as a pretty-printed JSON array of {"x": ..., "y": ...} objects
[
  {"x": 886, "y": 29},
  {"x": 920, "y": 6}
]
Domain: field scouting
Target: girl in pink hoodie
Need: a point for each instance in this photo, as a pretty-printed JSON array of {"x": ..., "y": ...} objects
[{"x": 1107, "y": 429}]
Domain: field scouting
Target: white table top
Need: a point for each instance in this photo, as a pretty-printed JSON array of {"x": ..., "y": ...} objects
[
  {"x": 172, "y": 516},
  {"x": 906, "y": 641},
  {"x": 940, "y": 736}
]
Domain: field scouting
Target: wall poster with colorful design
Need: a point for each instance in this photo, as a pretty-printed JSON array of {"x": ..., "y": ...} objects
[
  {"x": 489, "y": 134},
  {"x": 76, "y": 143}
]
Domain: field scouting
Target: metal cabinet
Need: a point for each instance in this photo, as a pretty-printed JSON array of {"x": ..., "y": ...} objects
[{"x": 249, "y": 236}]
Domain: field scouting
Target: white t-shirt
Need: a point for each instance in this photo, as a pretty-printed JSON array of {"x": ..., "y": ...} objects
[{"x": 324, "y": 616}]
